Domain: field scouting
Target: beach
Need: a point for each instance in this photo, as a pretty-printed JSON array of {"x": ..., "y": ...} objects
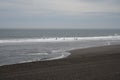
[{"x": 97, "y": 63}]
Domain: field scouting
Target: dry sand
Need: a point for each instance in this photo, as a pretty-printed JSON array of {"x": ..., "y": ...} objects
[{"x": 100, "y": 63}]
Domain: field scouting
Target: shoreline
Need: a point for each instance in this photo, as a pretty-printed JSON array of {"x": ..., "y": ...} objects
[{"x": 99, "y": 63}]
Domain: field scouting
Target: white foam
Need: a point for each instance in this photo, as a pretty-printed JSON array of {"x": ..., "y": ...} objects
[
  {"x": 115, "y": 37},
  {"x": 47, "y": 59},
  {"x": 63, "y": 55},
  {"x": 59, "y": 57},
  {"x": 36, "y": 54}
]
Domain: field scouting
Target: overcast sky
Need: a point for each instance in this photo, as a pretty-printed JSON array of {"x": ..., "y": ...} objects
[{"x": 60, "y": 14}]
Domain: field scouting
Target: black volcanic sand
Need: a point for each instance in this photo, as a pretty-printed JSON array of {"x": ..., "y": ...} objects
[{"x": 100, "y": 63}]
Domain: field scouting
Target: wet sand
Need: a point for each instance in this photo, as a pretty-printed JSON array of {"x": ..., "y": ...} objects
[{"x": 100, "y": 63}]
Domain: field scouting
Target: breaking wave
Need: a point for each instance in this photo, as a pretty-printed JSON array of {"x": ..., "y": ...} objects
[{"x": 61, "y": 39}]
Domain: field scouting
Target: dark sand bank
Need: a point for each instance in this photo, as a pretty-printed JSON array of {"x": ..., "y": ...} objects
[{"x": 100, "y": 63}]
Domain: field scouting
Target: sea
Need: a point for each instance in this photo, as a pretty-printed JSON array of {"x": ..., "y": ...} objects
[{"x": 29, "y": 45}]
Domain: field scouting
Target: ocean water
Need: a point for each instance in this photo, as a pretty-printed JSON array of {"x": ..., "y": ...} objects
[{"x": 27, "y": 45}]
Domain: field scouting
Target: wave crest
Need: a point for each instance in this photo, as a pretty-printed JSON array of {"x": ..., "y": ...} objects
[{"x": 62, "y": 39}]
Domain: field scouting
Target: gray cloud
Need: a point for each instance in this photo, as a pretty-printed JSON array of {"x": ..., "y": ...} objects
[
  {"x": 63, "y": 7},
  {"x": 51, "y": 13}
]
